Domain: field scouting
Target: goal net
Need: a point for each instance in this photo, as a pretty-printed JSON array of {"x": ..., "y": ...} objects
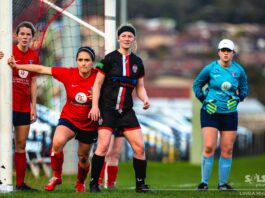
[{"x": 62, "y": 27}]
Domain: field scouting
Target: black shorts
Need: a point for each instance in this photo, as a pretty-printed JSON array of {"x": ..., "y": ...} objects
[
  {"x": 221, "y": 121},
  {"x": 87, "y": 137},
  {"x": 21, "y": 118},
  {"x": 113, "y": 120}
]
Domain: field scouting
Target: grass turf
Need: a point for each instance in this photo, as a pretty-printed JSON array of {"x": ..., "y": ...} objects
[{"x": 178, "y": 179}]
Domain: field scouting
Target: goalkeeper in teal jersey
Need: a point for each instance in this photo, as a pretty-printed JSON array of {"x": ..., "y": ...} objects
[{"x": 227, "y": 85}]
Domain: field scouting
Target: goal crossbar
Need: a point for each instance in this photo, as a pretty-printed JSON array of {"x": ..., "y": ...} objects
[{"x": 73, "y": 17}]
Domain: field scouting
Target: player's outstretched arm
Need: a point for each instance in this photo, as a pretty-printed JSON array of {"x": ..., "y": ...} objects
[{"x": 40, "y": 69}]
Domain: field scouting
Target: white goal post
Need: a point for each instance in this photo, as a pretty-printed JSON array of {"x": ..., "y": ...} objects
[{"x": 6, "y": 98}]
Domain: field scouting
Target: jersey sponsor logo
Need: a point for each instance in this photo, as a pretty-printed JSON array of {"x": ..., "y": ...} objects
[
  {"x": 125, "y": 81},
  {"x": 226, "y": 86},
  {"x": 81, "y": 98},
  {"x": 23, "y": 74},
  {"x": 74, "y": 85},
  {"x": 30, "y": 61},
  {"x": 134, "y": 68}
]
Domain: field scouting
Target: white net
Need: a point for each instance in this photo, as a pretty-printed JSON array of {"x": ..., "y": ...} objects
[{"x": 59, "y": 35}]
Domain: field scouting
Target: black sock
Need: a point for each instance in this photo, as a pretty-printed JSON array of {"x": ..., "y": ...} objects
[
  {"x": 97, "y": 164},
  {"x": 140, "y": 171}
]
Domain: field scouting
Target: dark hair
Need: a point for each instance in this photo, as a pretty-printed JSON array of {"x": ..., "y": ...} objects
[
  {"x": 86, "y": 49},
  {"x": 26, "y": 24},
  {"x": 126, "y": 28}
]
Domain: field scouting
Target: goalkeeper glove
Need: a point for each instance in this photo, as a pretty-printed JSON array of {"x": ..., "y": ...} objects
[
  {"x": 211, "y": 108},
  {"x": 232, "y": 103}
]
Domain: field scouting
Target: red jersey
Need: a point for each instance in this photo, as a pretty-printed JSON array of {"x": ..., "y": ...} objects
[
  {"x": 77, "y": 104},
  {"x": 22, "y": 79}
]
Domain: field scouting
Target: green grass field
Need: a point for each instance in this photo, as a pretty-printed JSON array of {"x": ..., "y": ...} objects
[{"x": 166, "y": 180}]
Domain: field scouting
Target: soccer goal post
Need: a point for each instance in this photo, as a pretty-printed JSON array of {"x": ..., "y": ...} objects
[{"x": 6, "y": 98}]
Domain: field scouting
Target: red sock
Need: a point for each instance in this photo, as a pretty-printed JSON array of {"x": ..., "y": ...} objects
[
  {"x": 101, "y": 176},
  {"x": 82, "y": 173},
  {"x": 112, "y": 175},
  {"x": 57, "y": 164},
  {"x": 20, "y": 166}
]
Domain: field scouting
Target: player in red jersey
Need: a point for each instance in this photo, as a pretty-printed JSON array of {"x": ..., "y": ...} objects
[
  {"x": 110, "y": 168},
  {"x": 119, "y": 73},
  {"x": 74, "y": 121},
  {"x": 24, "y": 99}
]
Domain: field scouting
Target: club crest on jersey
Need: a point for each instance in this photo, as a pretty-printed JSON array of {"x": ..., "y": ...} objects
[
  {"x": 226, "y": 86},
  {"x": 81, "y": 98},
  {"x": 30, "y": 61},
  {"x": 23, "y": 74},
  {"x": 134, "y": 68},
  {"x": 234, "y": 74}
]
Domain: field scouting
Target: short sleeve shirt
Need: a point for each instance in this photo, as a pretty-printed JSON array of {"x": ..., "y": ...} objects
[
  {"x": 77, "y": 89},
  {"x": 22, "y": 79},
  {"x": 121, "y": 75}
]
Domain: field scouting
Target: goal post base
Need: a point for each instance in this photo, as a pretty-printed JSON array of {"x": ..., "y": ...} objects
[{"x": 6, "y": 188}]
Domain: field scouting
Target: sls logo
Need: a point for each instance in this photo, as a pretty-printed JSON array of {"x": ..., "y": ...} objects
[
  {"x": 226, "y": 86},
  {"x": 23, "y": 74},
  {"x": 256, "y": 179},
  {"x": 81, "y": 97}
]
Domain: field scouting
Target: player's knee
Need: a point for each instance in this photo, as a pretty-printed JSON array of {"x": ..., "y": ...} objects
[
  {"x": 227, "y": 152},
  {"x": 139, "y": 150},
  {"x": 20, "y": 146},
  {"x": 83, "y": 159},
  {"x": 102, "y": 149},
  {"x": 115, "y": 155},
  {"x": 209, "y": 150},
  {"x": 57, "y": 147}
]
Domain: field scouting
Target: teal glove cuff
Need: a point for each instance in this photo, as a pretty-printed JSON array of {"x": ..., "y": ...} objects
[{"x": 211, "y": 108}]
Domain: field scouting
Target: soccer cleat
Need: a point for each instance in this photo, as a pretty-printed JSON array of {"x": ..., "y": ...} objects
[
  {"x": 110, "y": 187},
  {"x": 225, "y": 187},
  {"x": 25, "y": 187},
  {"x": 94, "y": 188},
  {"x": 142, "y": 188},
  {"x": 80, "y": 187},
  {"x": 54, "y": 181},
  {"x": 202, "y": 186}
]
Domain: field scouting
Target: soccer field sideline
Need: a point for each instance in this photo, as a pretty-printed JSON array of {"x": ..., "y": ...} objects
[{"x": 178, "y": 179}]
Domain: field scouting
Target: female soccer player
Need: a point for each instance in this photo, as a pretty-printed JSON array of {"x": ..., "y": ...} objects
[
  {"x": 118, "y": 74},
  {"x": 227, "y": 86},
  {"x": 110, "y": 168},
  {"x": 74, "y": 121},
  {"x": 24, "y": 99}
]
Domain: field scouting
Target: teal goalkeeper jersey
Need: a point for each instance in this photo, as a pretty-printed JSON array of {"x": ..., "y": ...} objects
[{"x": 223, "y": 83}]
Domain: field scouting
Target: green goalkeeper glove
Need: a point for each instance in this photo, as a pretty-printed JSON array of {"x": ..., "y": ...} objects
[
  {"x": 232, "y": 103},
  {"x": 211, "y": 108}
]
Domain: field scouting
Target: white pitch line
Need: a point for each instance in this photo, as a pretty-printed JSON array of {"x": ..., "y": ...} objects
[{"x": 187, "y": 189}]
